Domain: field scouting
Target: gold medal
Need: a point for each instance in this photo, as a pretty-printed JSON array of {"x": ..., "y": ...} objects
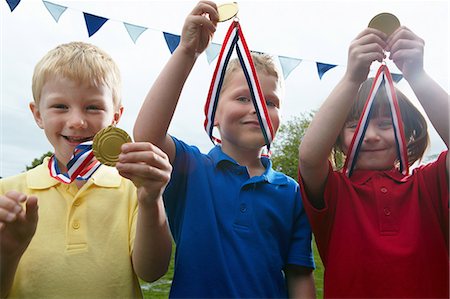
[
  {"x": 106, "y": 144},
  {"x": 227, "y": 11},
  {"x": 385, "y": 22}
]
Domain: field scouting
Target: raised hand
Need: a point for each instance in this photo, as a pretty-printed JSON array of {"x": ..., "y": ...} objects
[
  {"x": 199, "y": 27},
  {"x": 147, "y": 166},
  {"x": 17, "y": 225},
  {"x": 367, "y": 47},
  {"x": 406, "y": 50}
]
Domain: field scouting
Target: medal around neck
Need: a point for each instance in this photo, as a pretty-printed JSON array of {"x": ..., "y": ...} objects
[
  {"x": 385, "y": 22},
  {"x": 227, "y": 11},
  {"x": 106, "y": 144}
]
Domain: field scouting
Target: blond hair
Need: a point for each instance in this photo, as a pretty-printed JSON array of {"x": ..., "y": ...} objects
[
  {"x": 263, "y": 63},
  {"x": 81, "y": 62},
  {"x": 414, "y": 124}
]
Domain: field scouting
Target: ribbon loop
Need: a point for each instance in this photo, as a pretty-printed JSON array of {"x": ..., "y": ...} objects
[
  {"x": 383, "y": 76},
  {"x": 235, "y": 39},
  {"x": 81, "y": 165}
]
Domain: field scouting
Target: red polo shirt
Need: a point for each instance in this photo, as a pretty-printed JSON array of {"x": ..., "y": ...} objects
[{"x": 384, "y": 235}]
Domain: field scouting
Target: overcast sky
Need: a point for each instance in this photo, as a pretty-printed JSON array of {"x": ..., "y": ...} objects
[{"x": 314, "y": 31}]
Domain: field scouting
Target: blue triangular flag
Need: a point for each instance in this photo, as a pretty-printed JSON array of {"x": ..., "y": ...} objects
[
  {"x": 396, "y": 77},
  {"x": 288, "y": 64},
  {"x": 134, "y": 31},
  {"x": 55, "y": 10},
  {"x": 212, "y": 52},
  {"x": 322, "y": 68},
  {"x": 172, "y": 41},
  {"x": 12, "y": 4},
  {"x": 93, "y": 23}
]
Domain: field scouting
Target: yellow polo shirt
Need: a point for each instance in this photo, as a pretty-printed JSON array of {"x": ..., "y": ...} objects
[{"x": 84, "y": 238}]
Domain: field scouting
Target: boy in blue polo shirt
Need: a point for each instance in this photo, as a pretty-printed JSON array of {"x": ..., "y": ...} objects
[{"x": 239, "y": 226}]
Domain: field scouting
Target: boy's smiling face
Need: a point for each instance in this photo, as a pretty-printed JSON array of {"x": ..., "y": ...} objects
[
  {"x": 71, "y": 113},
  {"x": 236, "y": 116}
]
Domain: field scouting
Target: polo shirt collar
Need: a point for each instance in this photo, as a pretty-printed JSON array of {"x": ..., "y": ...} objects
[
  {"x": 39, "y": 178},
  {"x": 219, "y": 158},
  {"x": 363, "y": 176}
]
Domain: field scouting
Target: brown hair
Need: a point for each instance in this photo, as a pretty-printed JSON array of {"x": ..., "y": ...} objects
[
  {"x": 414, "y": 124},
  {"x": 81, "y": 62}
]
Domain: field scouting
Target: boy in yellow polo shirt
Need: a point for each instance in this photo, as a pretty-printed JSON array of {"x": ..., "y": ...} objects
[{"x": 89, "y": 238}]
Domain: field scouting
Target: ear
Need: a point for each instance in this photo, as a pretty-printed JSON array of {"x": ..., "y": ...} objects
[
  {"x": 117, "y": 115},
  {"x": 36, "y": 114}
]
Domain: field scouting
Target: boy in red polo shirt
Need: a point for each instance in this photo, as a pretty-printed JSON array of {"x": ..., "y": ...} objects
[{"x": 380, "y": 233}]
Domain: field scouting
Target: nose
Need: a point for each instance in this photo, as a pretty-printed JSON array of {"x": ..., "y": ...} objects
[
  {"x": 77, "y": 120},
  {"x": 371, "y": 134}
]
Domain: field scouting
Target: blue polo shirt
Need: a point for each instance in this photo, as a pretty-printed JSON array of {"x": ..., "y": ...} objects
[{"x": 234, "y": 235}]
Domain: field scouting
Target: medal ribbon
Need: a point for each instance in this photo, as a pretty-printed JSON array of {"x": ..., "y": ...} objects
[
  {"x": 235, "y": 39},
  {"x": 383, "y": 75},
  {"x": 81, "y": 165}
]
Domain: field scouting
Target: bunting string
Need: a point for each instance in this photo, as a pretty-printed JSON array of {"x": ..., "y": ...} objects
[
  {"x": 81, "y": 166},
  {"x": 95, "y": 22},
  {"x": 235, "y": 39},
  {"x": 383, "y": 76}
]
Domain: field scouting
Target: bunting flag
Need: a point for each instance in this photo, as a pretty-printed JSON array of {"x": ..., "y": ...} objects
[
  {"x": 288, "y": 65},
  {"x": 134, "y": 31},
  {"x": 172, "y": 41},
  {"x": 81, "y": 165},
  {"x": 212, "y": 51},
  {"x": 397, "y": 77},
  {"x": 322, "y": 68},
  {"x": 93, "y": 23},
  {"x": 55, "y": 10},
  {"x": 235, "y": 39},
  {"x": 383, "y": 75},
  {"x": 12, "y": 4}
]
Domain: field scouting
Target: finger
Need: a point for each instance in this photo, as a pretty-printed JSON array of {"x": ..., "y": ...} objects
[
  {"x": 144, "y": 172},
  {"x": 372, "y": 32},
  {"x": 10, "y": 205},
  {"x": 207, "y": 7},
  {"x": 7, "y": 216},
  {"x": 205, "y": 23},
  {"x": 17, "y": 196},
  {"x": 137, "y": 163},
  {"x": 405, "y": 44},
  {"x": 136, "y": 147},
  {"x": 32, "y": 208}
]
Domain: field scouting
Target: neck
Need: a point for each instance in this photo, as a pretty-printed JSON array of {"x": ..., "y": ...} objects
[{"x": 250, "y": 158}]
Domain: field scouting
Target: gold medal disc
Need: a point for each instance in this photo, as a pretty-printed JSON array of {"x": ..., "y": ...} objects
[
  {"x": 227, "y": 11},
  {"x": 106, "y": 144},
  {"x": 385, "y": 22}
]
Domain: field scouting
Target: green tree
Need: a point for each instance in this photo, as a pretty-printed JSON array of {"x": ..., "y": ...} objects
[
  {"x": 285, "y": 147},
  {"x": 39, "y": 161}
]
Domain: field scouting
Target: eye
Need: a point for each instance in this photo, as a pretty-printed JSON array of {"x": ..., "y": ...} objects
[
  {"x": 60, "y": 106},
  {"x": 385, "y": 124},
  {"x": 93, "y": 107},
  {"x": 351, "y": 125},
  {"x": 243, "y": 99},
  {"x": 271, "y": 103}
]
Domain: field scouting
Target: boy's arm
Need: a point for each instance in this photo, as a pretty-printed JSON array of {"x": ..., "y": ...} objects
[
  {"x": 17, "y": 228},
  {"x": 328, "y": 122},
  {"x": 300, "y": 282},
  {"x": 149, "y": 169},
  {"x": 159, "y": 106}
]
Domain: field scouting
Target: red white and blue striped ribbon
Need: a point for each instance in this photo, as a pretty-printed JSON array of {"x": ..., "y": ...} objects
[
  {"x": 383, "y": 75},
  {"x": 81, "y": 165},
  {"x": 235, "y": 39}
]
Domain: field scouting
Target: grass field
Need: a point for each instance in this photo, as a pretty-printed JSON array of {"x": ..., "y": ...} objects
[{"x": 160, "y": 289}]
